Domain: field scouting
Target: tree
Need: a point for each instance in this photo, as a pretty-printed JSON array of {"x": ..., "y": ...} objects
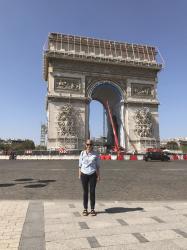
[
  {"x": 16, "y": 145},
  {"x": 38, "y": 147},
  {"x": 29, "y": 144},
  {"x": 5, "y": 147},
  {"x": 183, "y": 145},
  {"x": 173, "y": 145}
]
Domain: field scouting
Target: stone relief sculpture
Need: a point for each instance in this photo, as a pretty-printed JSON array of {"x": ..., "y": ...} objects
[
  {"x": 65, "y": 121},
  {"x": 68, "y": 84},
  {"x": 141, "y": 90},
  {"x": 144, "y": 124}
]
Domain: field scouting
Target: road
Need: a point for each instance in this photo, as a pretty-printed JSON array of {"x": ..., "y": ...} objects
[{"x": 120, "y": 180}]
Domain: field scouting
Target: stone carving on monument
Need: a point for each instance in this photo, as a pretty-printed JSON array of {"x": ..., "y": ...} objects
[
  {"x": 65, "y": 121},
  {"x": 93, "y": 81},
  {"x": 141, "y": 90},
  {"x": 70, "y": 84},
  {"x": 144, "y": 124}
]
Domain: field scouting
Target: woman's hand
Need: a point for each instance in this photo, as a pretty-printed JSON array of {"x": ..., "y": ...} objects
[
  {"x": 98, "y": 175},
  {"x": 79, "y": 173}
]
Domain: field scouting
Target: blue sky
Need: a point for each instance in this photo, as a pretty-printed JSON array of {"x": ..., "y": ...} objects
[{"x": 24, "y": 27}]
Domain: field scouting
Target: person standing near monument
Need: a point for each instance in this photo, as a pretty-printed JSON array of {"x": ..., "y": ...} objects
[{"x": 89, "y": 173}]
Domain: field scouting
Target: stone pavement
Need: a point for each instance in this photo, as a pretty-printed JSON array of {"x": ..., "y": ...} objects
[{"x": 58, "y": 224}]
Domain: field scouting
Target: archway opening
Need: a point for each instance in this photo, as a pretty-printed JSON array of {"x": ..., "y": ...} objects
[
  {"x": 97, "y": 121},
  {"x": 99, "y": 114}
]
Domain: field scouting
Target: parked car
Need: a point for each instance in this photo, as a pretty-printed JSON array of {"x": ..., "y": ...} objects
[{"x": 160, "y": 156}]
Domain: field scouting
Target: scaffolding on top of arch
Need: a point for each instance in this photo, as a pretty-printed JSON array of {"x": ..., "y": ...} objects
[{"x": 92, "y": 49}]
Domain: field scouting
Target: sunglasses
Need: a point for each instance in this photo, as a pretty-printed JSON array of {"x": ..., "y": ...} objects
[{"x": 88, "y": 144}]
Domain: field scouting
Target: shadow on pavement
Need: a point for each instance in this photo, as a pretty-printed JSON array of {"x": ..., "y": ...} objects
[
  {"x": 114, "y": 210},
  {"x": 32, "y": 183},
  {"x": 6, "y": 184},
  {"x": 24, "y": 179},
  {"x": 35, "y": 185}
]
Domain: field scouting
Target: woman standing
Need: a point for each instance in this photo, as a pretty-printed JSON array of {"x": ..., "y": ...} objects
[{"x": 89, "y": 174}]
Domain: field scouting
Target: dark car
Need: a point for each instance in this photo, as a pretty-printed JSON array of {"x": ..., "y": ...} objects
[{"x": 159, "y": 156}]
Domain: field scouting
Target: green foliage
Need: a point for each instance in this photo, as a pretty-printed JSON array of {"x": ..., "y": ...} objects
[
  {"x": 184, "y": 149},
  {"x": 5, "y": 147},
  {"x": 172, "y": 145},
  {"x": 16, "y": 145},
  {"x": 38, "y": 147}
]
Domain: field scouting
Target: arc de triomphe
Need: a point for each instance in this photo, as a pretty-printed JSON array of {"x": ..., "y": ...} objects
[{"x": 80, "y": 69}]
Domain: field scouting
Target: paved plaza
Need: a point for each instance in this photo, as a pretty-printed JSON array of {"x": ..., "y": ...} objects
[{"x": 140, "y": 205}]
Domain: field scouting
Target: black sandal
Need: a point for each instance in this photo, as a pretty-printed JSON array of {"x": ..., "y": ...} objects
[
  {"x": 85, "y": 212},
  {"x": 93, "y": 212}
]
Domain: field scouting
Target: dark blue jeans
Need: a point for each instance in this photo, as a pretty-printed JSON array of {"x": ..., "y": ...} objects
[{"x": 89, "y": 181}]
